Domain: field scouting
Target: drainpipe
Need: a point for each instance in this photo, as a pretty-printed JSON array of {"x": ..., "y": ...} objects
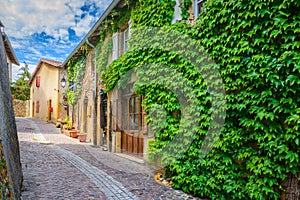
[{"x": 95, "y": 99}]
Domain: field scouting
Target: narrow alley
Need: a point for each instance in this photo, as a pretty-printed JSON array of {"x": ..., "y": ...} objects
[{"x": 59, "y": 167}]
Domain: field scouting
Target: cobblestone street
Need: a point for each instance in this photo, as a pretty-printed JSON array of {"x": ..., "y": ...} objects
[{"x": 56, "y": 166}]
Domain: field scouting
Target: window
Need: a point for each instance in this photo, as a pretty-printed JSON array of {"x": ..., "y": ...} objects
[
  {"x": 136, "y": 116},
  {"x": 38, "y": 81},
  {"x": 198, "y": 7},
  {"x": 134, "y": 104},
  {"x": 133, "y": 114},
  {"x": 115, "y": 52}
]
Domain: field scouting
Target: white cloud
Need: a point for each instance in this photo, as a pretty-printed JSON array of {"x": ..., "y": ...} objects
[
  {"x": 25, "y": 17},
  {"x": 83, "y": 26}
]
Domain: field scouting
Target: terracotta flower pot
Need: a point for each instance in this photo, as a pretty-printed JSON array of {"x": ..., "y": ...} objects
[
  {"x": 82, "y": 137},
  {"x": 73, "y": 133}
]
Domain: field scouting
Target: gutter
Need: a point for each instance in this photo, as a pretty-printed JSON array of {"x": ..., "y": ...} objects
[{"x": 113, "y": 4}]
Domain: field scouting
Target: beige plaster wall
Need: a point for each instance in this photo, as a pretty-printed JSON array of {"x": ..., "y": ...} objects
[{"x": 49, "y": 90}]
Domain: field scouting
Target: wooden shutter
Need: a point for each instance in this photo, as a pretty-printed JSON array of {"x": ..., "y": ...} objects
[
  {"x": 38, "y": 81},
  {"x": 115, "y": 52}
]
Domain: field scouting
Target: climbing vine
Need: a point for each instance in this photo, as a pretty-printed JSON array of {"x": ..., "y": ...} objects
[
  {"x": 255, "y": 45},
  {"x": 76, "y": 71},
  {"x": 153, "y": 13},
  {"x": 103, "y": 50},
  {"x": 185, "y": 6}
]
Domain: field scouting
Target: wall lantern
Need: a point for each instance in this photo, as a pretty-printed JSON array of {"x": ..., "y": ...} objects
[{"x": 63, "y": 82}]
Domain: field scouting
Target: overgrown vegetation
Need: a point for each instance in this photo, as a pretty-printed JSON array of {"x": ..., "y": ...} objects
[{"x": 76, "y": 71}]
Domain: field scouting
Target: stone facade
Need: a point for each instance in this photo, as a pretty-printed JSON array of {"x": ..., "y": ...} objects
[
  {"x": 84, "y": 111},
  {"x": 21, "y": 108}
]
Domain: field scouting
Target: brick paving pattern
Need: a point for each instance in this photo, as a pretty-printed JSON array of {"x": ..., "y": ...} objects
[{"x": 56, "y": 166}]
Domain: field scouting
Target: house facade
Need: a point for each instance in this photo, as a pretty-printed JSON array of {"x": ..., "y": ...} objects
[
  {"x": 47, "y": 85},
  {"x": 10, "y": 54},
  {"x": 115, "y": 119},
  {"x": 237, "y": 37}
]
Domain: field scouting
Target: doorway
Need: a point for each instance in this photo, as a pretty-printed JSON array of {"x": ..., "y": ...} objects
[
  {"x": 33, "y": 109},
  {"x": 49, "y": 109}
]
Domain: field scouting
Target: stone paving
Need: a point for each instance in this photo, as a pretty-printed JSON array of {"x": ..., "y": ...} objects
[{"x": 56, "y": 166}]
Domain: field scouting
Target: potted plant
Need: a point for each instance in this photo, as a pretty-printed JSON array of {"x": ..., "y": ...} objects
[
  {"x": 82, "y": 137},
  {"x": 73, "y": 133},
  {"x": 69, "y": 129},
  {"x": 64, "y": 121},
  {"x": 69, "y": 125}
]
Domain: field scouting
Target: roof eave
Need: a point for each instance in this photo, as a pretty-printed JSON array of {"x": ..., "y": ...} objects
[
  {"x": 9, "y": 50},
  {"x": 113, "y": 4},
  {"x": 41, "y": 61}
]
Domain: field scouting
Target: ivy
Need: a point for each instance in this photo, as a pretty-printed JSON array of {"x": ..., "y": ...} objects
[
  {"x": 76, "y": 71},
  {"x": 255, "y": 47},
  {"x": 185, "y": 6},
  {"x": 103, "y": 50},
  {"x": 153, "y": 13}
]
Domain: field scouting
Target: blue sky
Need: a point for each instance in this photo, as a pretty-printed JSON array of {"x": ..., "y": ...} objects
[{"x": 48, "y": 29}]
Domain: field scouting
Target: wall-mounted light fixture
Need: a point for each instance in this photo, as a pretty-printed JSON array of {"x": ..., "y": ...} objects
[{"x": 63, "y": 82}]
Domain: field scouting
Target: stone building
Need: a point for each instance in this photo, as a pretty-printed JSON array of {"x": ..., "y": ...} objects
[{"x": 114, "y": 119}]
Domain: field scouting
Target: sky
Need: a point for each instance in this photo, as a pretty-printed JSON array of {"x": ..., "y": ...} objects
[{"x": 49, "y": 29}]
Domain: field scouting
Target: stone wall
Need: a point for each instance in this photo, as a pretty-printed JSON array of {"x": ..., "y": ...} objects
[{"x": 21, "y": 108}]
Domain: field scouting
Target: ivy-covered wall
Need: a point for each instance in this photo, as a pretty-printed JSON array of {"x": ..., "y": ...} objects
[
  {"x": 76, "y": 71},
  {"x": 255, "y": 46}
]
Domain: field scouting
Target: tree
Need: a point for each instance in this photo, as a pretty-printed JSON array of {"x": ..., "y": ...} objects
[
  {"x": 20, "y": 89},
  {"x": 24, "y": 72}
]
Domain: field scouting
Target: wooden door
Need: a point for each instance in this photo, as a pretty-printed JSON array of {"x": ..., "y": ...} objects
[{"x": 132, "y": 140}]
